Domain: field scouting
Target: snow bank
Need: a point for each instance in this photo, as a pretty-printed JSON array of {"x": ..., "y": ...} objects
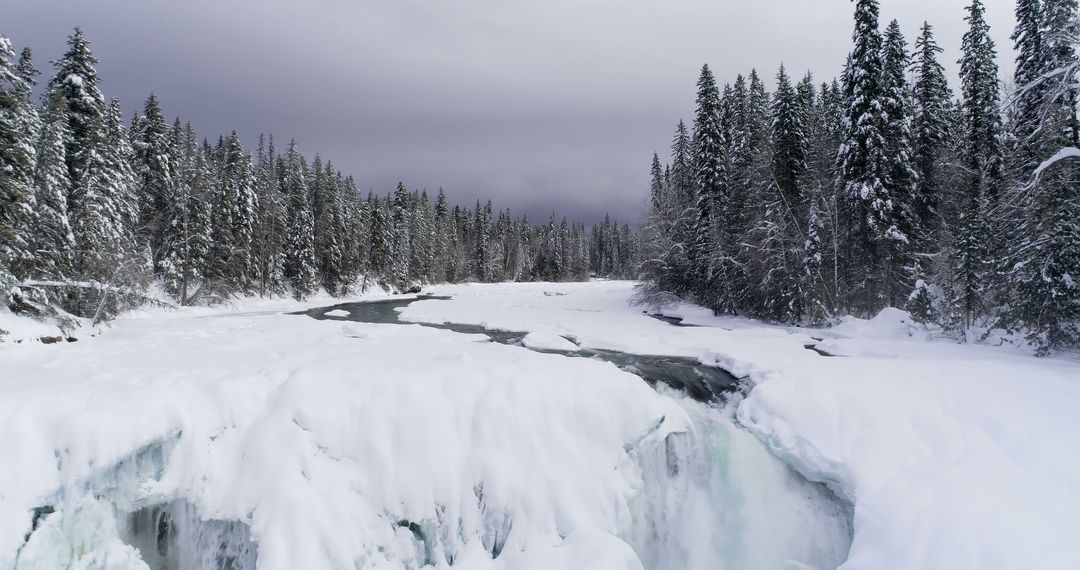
[
  {"x": 14, "y": 328},
  {"x": 379, "y": 446},
  {"x": 548, "y": 341},
  {"x": 955, "y": 456}
]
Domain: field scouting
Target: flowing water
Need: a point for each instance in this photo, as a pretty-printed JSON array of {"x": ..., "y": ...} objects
[{"x": 700, "y": 382}]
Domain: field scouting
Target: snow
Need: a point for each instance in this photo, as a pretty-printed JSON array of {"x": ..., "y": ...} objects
[
  {"x": 289, "y": 423},
  {"x": 954, "y": 456},
  {"x": 337, "y": 313},
  {"x": 542, "y": 340},
  {"x": 345, "y": 444},
  {"x": 21, "y": 329},
  {"x": 1063, "y": 154}
]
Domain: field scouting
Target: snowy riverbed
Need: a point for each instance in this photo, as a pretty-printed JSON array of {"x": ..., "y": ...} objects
[{"x": 336, "y": 444}]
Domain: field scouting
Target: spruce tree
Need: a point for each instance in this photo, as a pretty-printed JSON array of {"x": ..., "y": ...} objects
[
  {"x": 984, "y": 168},
  {"x": 16, "y": 173},
  {"x": 401, "y": 237},
  {"x": 1045, "y": 254},
  {"x": 656, "y": 188},
  {"x": 272, "y": 219},
  {"x": 900, "y": 167},
  {"x": 709, "y": 175},
  {"x": 153, "y": 169},
  {"x": 239, "y": 174},
  {"x": 1032, "y": 61},
  {"x": 930, "y": 129},
  {"x": 789, "y": 141},
  {"x": 53, "y": 241},
  {"x": 76, "y": 80},
  {"x": 300, "y": 267},
  {"x": 863, "y": 177}
]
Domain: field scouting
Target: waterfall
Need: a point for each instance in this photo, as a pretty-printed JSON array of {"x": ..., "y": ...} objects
[{"x": 714, "y": 498}]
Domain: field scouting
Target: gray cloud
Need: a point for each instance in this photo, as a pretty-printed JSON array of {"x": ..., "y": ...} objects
[{"x": 538, "y": 105}]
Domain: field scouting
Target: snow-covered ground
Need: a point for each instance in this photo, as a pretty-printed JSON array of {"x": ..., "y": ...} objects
[
  {"x": 349, "y": 445},
  {"x": 954, "y": 456}
]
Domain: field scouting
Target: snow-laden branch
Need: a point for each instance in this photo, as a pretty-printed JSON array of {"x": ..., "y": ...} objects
[
  {"x": 96, "y": 286},
  {"x": 1063, "y": 154}
]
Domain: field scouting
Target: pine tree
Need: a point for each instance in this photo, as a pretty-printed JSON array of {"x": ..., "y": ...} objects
[
  {"x": 863, "y": 173},
  {"x": 1045, "y": 254},
  {"x": 238, "y": 175},
  {"x": 153, "y": 169},
  {"x": 402, "y": 237},
  {"x": 983, "y": 163},
  {"x": 54, "y": 243},
  {"x": 421, "y": 230},
  {"x": 930, "y": 130},
  {"x": 443, "y": 233},
  {"x": 656, "y": 190},
  {"x": 709, "y": 170},
  {"x": 1062, "y": 34},
  {"x": 300, "y": 267},
  {"x": 330, "y": 230},
  {"x": 76, "y": 80},
  {"x": 272, "y": 220},
  {"x": 789, "y": 141},
  {"x": 1032, "y": 62},
  {"x": 193, "y": 191},
  {"x": 900, "y": 167},
  {"x": 16, "y": 173},
  {"x": 983, "y": 154}
]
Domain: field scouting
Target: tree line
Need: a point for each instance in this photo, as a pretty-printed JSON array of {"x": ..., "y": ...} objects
[
  {"x": 882, "y": 188},
  {"x": 94, "y": 212}
]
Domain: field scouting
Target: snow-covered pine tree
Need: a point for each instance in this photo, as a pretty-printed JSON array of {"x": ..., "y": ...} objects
[
  {"x": 53, "y": 241},
  {"x": 984, "y": 167},
  {"x": 779, "y": 230},
  {"x": 1061, "y": 37},
  {"x": 238, "y": 174},
  {"x": 422, "y": 230},
  {"x": 981, "y": 93},
  {"x": 710, "y": 176},
  {"x": 931, "y": 116},
  {"x": 103, "y": 221},
  {"x": 402, "y": 238},
  {"x": 24, "y": 88},
  {"x": 193, "y": 185},
  {"x": 76, "y": 80},
  {"x": 273, "y": 221},
  {"x": 153, "y": 169},
  {"x": 896, "y": 98},
  {"x": 219, "y": 260},
  {"x": 353, "y": 219},
  {"x": 789, "y": 142},
  {"x": 331, "y": 233},
  {"x": 16, "y": 174},
  {"x": 862, "y": 180},
  {"x": 300, "y": 268},
  {"x": 1044, "y": 262},
  {"x": 381, "y": 240},
  {"x": 1032, "y": 61}
]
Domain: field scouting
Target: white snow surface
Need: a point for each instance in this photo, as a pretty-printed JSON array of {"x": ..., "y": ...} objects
[
  {"x": 323, "y": 436},
  {"x": 543, "y": 340},
  {"x": 955, "y": 457},
  {"x": 335, "y": 440}
]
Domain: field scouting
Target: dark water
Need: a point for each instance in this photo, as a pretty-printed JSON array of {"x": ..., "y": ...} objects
[{"x": 700, "y": 382}]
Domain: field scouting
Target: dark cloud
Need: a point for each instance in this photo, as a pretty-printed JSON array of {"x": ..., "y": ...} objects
[{"x": 539, "y": 105}]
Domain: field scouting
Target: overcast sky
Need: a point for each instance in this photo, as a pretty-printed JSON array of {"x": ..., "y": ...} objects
[{"x": 539, "y": 105}]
